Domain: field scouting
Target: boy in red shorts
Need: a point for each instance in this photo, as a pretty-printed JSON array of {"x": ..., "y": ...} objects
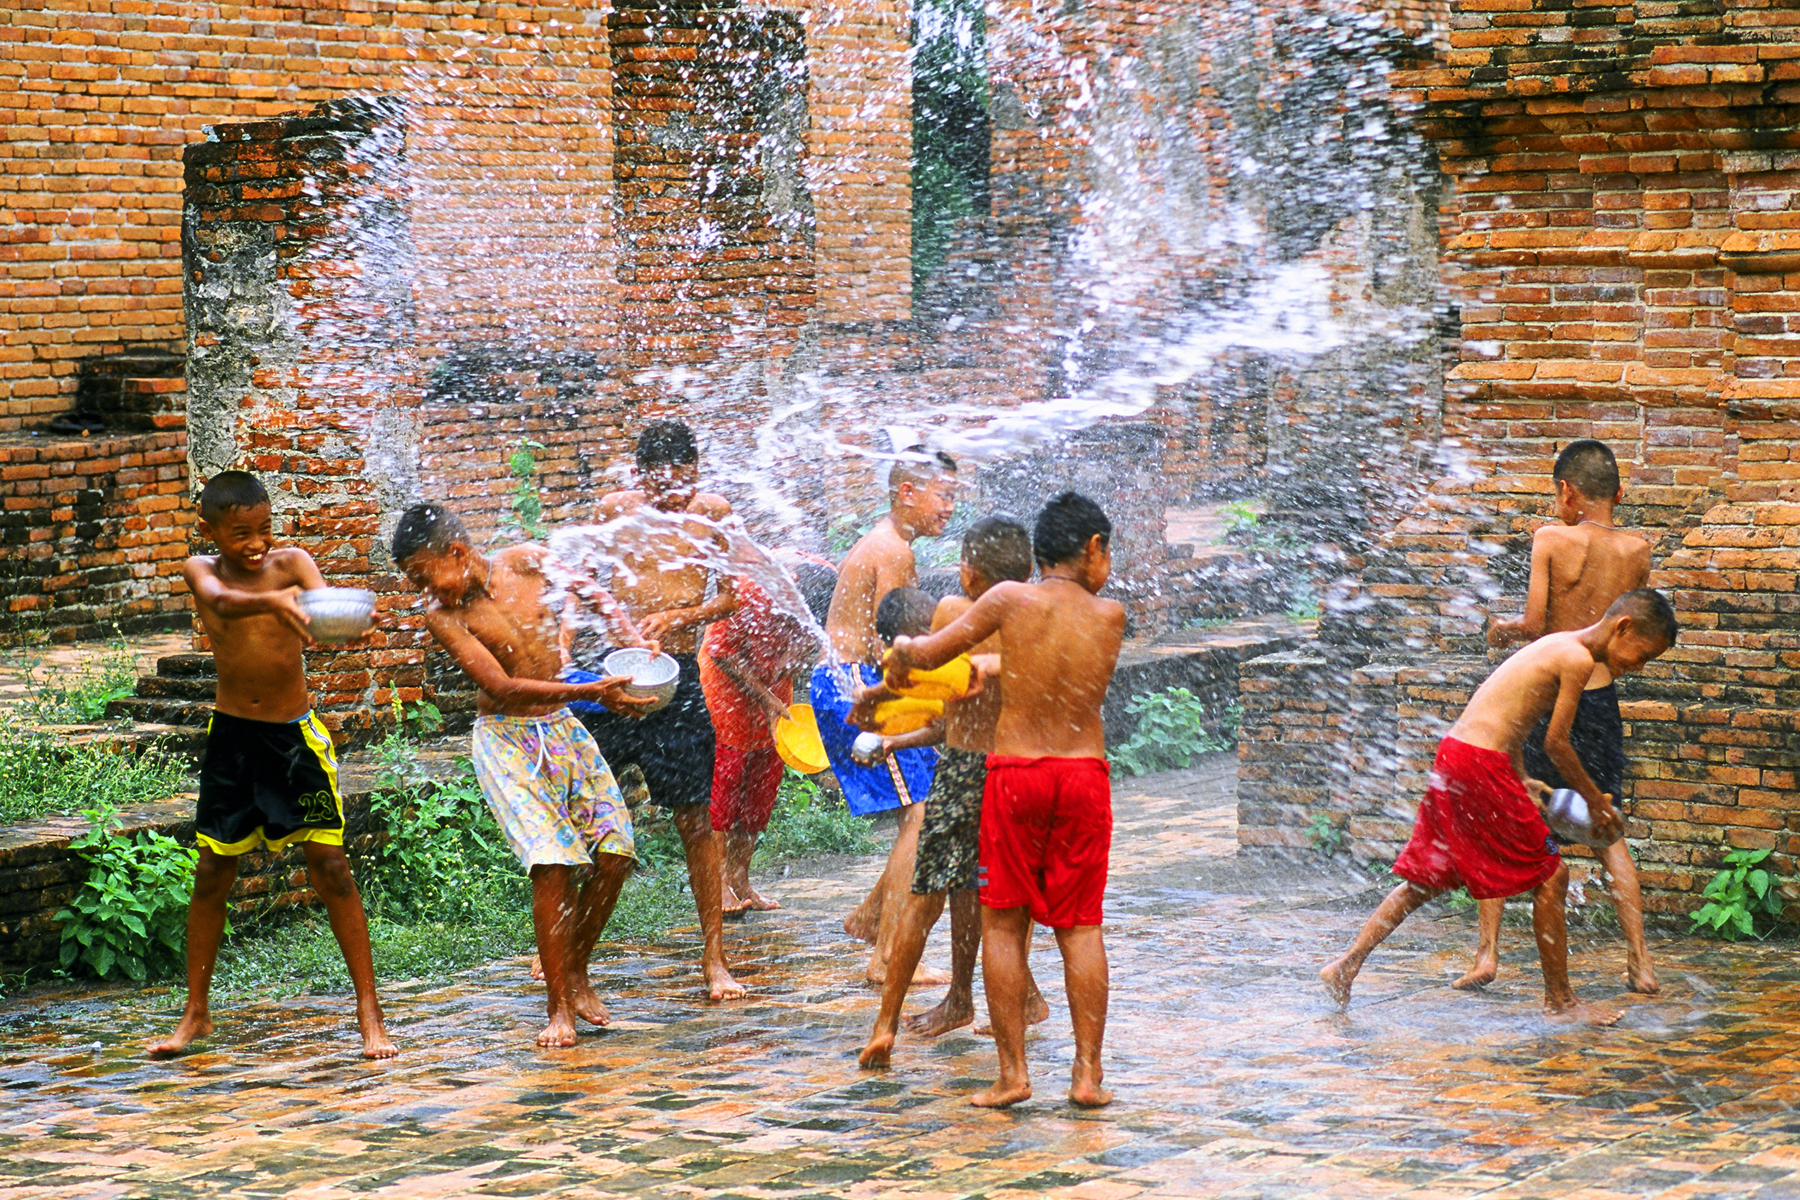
[
  {"x": 1478, "y": 826},
  {"x": 747, "y": 664},
  {"x": 1046, "y": 816}
]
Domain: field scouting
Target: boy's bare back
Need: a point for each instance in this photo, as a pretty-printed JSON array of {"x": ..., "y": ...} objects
[
  {"x": 875, "y": 566},
  {"x": 1522, "y": 689},
  {"x": 259, "y": 655},
  {"x": 503, "y": 625}
]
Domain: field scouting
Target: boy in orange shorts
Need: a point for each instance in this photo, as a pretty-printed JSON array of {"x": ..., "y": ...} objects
[
  {"x": 747, "y": 664},
  {"x": 1046, "y": 817},
  {"x": 1478, "y": 826}
]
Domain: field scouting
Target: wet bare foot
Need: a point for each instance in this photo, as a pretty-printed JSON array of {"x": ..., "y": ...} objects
[
  {"x": 1479, "y": 975},
  {"x": 757, "y": 902},
  {"x": 875, "y": 1055},
  {"x": 193, "y": 1026},
  {"x": 947, "y": 1014},
  {"x": 537, "y": 967},
  {"x": 1037, "y": 1011},
  {"x": 923, "y": 976},
  {"x": 560, "y": 1032},
  {"x": 863, "y": 924},
  {"x": 1337, "y": 979},
  {"x": 1000, "y": 1096},
  {"x": 1087, "y": 1093},
  {"x": 1642, "y": 980},
  {"x": 730, "y": 905},
  {"x": 586, "y": 1005},
  {"x": 376, "y": 1043},
  {"x": 721, "y": 986},
  {"x": 1576, "y": 1013}
]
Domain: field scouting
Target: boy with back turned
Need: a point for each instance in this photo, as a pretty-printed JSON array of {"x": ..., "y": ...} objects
[
  {"x": 269, "y": 775},
  {"x": 1579, "y": 566},
  {"x": 1046, "y": 818}
]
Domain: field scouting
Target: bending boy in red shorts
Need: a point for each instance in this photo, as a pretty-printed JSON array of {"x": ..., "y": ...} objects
[
  {"x": 1478, "y": 826},
  {"x": 747, "y": 663},
  {"x": 1046, "y": 818}
]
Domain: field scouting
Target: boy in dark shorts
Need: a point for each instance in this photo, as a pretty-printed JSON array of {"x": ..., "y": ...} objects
[
  {"x": 269, "y": 775},
  {"x": 995, "y": 550},
  {"x": 1046, "y": 810},
  {"x": 1579, "y": 567},
  {"x": 541, "y": 774},
  {"x": 1479, "y": 827},
  {"x": 666, "y": 588}
]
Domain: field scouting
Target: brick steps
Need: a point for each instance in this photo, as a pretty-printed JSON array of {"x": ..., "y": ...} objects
[{"x": 179, "y": 694}]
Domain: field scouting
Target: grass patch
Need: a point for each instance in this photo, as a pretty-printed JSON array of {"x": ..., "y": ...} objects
[
  {"x": 807, "y": 821},
  {"x": 43, "y": 776},
  {"x": 78, "y": 695}
]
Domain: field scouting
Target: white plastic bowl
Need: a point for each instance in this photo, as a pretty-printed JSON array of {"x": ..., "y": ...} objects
[
  {"x": 653, "y": 677},
  {"x": 338, "y": 614}
]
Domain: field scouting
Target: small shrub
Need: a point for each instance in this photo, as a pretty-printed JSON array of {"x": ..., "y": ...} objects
[
  {"x": 44, "y": 776},
  {"x": 527, "y": 501},
  {"x": 1171, "y": 730},
  {"x": 1325, "y": 835},
  {"x": 130, "y": 916},
  {"x": 78, "y": 695},
  {"x": 1740, "y": 896},
  {"x": 806, "y": 821}
]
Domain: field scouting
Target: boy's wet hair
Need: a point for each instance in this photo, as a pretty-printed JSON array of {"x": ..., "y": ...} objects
[
  {"x": 904, "y": 612},
  {"x": 1065, "y": 525},
  {"x": 1650, "y": 612},
  {"x": 666, "y": 443},
  {"x": 228, "y": 490},
  {"x": 427, "y": 527},
  {"x": 816, "y": 582},
  {"x": 1588, "y": 467},
  {"x": 919, "y": 467},
  {"x": 1000, "y": 548}
]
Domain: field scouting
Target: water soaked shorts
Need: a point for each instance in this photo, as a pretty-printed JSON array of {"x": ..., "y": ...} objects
[
  {"x": 269, "y": 783},
  {"x": 903, "y": 779},
  {"x": 672, "y": 746},
  {"x": 950, "y": 833},
  {"x": 1477, "y": 828},
  {"x": 745, "y": 784},
  {"x": 1046, "y": 836},
  {"x": 1597, "y": 736},
  {"x": 554, "y": 796}
]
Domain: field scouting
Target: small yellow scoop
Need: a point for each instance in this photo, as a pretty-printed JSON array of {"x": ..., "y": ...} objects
[
  {"x": 947, "y": 682},
  {"x": 797, "y": 741},
  {"x": 894, "y": 717}
]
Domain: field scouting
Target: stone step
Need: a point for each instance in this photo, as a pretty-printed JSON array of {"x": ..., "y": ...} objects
[
  {"x": 185, "y": 664},
  {"x": 1204, "y": 660},
  {"x": 178, "y": 687},
  {"x": 142, "y": 710}
]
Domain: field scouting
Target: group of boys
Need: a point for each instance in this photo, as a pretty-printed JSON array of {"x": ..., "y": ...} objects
[{"x": 1011, "y": 822}]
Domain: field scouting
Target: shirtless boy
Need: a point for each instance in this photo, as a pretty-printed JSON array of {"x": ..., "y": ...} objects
[
  {"x": 1046, "y": 817},
  {"x": 995, "y": 550},
  {"x": 662, "y": 582},
  {"x": 1479, "y": 827},
  {"x": 540, "y": 772},
  {"x": 1578, "y": 568},
  {"x": 921, "y": 497},
  {"x": 269, "y": 774}
]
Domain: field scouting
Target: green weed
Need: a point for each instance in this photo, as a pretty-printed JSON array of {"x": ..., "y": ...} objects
[
  {"x": 1324, "y": 834},
  {"x": 1739, "y": 898},
  {"x": 1171, "y": 731},
  {"x": 807, "y": 822},
  {"x": 130, "y": 916},
  {"x": 79, "y": 694},
  {"x": 43, "y": 776}
]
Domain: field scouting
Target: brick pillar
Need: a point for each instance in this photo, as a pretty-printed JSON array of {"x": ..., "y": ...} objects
[{"x": 297, "y": 273}]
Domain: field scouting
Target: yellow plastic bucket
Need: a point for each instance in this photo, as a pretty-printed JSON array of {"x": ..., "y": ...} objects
[
  {"x": 797, "y": 741},
  {"x": 947, "y": 682},
  {"x": 894, "y": 717}
]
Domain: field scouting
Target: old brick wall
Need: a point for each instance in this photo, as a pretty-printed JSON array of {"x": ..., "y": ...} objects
[{"x": 1619, "y": 223}]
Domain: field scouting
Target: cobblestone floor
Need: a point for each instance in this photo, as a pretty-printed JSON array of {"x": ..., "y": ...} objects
[{"x": 1234, "y": 1077}]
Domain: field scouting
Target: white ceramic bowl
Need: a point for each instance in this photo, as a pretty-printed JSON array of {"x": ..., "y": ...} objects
[
  {"x": 338, "y": 614},
  {"x": 653, "y": 676}
]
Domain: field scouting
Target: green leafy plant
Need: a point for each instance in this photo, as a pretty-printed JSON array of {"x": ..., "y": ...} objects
[
  {"x": 130, "y": 916},
  {"x": 527, "y": 500},
  {"x": 1239, "y": 517},
  {"x": 45, "y": 776},
  {"x": 79, "y": 694},
  {"x": 1171, "y": 730},
  {"x": 1742, "y": 892},
  {"x": 1324, "y": 834},
  {"x": 806, "y": 821}
]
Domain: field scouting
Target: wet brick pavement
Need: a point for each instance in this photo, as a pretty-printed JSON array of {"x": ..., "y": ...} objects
[{"x": 1234, "y": 1077}]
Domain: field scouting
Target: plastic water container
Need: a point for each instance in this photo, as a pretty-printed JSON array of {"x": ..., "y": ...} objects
[
  {"x": 947, "y": 682},
  {"x": 1566, "y": 812},
  {"x": 895, "y": 717}
]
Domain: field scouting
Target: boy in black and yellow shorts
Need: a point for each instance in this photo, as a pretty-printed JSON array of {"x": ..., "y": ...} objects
[{"x": 269, "y": 777}]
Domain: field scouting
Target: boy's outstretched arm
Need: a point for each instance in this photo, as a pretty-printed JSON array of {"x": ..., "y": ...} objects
[
  {"x": 1531, "y": 625},
  {"x": 485, "y": 670},
  {"x": 215, "y": 594},
  {"x": 981, "y": 622}
]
